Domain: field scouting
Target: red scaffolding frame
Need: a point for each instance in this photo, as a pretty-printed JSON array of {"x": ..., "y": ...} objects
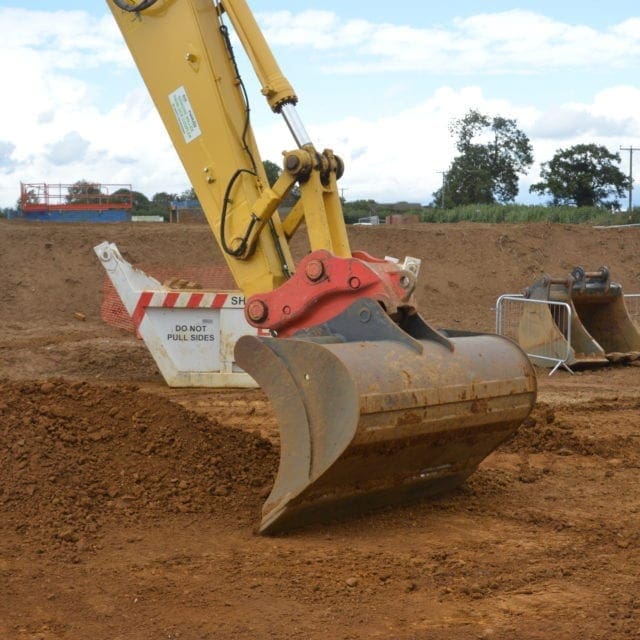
[{"x": 80, "y": 196}]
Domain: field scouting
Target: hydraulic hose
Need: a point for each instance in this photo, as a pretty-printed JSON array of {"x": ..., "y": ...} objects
[{"x": 134, "y": 8}]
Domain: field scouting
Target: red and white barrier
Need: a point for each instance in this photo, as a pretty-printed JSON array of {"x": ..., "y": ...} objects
[{"x": 190, "y": 334}]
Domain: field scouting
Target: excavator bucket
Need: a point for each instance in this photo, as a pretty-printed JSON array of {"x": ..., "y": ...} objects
[
  {"x": 600, "y": 330},
  {"x": 370, "y": 415}
]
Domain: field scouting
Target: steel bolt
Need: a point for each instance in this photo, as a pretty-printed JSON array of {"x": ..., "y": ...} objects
[
  {"x": 257, "y": 311},
  {"x": 292, "y": 162},
  {"x": 286, "y": 310},
  {"x": 314, "y": 270},
  {"x": 354, "y": 282}
]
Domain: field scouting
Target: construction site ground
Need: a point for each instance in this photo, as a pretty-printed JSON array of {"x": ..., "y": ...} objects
[{"x": 127, "y": 509}]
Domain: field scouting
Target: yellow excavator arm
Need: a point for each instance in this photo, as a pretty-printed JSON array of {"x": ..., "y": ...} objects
[
  {"x": 185, "y": 55},
  {"x": 374, "y": 405}
]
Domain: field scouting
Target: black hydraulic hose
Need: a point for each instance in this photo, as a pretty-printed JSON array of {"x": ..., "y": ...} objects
[
  {"x": 134, "y": 8},
  {"x": 240, "y": 250},
  {"x": 223, "y": 219},
  {"x": 224, "y": 32}
]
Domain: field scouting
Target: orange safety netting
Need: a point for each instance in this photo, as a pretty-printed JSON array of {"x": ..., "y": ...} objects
[{"x": 214, "y": 278}]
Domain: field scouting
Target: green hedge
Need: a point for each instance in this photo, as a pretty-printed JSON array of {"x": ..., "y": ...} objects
[{"x": 530, "y": 213}]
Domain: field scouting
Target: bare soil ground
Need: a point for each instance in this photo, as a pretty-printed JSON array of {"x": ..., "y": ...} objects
[{"x": 127, "y": 509}]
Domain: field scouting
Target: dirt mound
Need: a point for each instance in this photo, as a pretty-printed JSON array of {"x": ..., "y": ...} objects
[
  {"x": 128, "y": 511},
  {"x": 78, "y": 455},
  {"x": 49, "y": 271},
  {"x": 565, "y": 431}
]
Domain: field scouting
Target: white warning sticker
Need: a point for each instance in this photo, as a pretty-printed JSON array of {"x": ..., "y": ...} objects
[{"x": 184, "y": 114}]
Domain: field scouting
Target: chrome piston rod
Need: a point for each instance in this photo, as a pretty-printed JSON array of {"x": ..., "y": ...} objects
[{"x": 291, "y": 117}]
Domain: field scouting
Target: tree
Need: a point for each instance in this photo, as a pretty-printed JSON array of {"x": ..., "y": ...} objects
[
  {"x": 83, "y": 192},
  {"x": 163, "y": 199},
  {"x": 140, "y": 204},
  {"x": 272, "y": 170},
  {"x": 124, "y": 196},
  {"x": 585, "y": 175},
  {"x": 493, "y": 151},
  {"x": 160, "y": 204},
  {"x": 468, "y": 181},
  {"x": 357, "y": 209},
  {"x": 28, "y": 197},
  {"x": 186, "y": 195}
]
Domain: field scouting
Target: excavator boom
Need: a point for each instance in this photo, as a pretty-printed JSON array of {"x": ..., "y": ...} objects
[{"x": 374, "y": 405}]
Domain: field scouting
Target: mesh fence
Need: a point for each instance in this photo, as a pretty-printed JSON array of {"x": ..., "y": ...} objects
[
  {"x": 541, "y": 327},
  {"x": 211, "y": 278},
  {"x": 512, "y": 319},
  {"x": 632, "y": 300},
  {"x": 508, "y": 316}
]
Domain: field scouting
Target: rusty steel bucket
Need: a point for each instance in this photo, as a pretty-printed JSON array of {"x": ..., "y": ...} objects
[
  {"x": 370, "y": 415},
  {"x": 601, "y": 329}
]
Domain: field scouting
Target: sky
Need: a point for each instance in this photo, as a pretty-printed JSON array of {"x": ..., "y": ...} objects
[{"x": 378, "y": 82}]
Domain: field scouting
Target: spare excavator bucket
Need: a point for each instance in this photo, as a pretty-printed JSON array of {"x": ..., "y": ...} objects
[
  {"x": 370, "y": 416},
  {"x": 600, "y": 330}
]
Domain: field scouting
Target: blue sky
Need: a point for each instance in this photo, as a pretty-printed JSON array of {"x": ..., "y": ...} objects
[{"x": 379, "y": 82}]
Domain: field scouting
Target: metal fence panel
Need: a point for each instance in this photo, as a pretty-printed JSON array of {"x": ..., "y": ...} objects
[
  {"x": 632, "y": 300},
  {"x": 546, "y": 325}
]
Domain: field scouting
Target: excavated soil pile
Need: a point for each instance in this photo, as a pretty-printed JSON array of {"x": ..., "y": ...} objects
[
  {"x": 128, "y": 509},
  {"x": 562, "y": 430},
  {"x": 77, "y": 454},
  {"x": 48, "y": 272}
]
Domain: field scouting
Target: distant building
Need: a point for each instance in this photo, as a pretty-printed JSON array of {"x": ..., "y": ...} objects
[
  {"x": 79, "y": 202},
  {"x": 368, "y": 221},
  {"x": 403, "y": 218},
  {"x": 187, "y": 212}
]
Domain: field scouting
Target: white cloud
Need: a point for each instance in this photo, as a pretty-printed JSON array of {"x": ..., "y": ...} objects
[
  {"x": 71, "y": 148},
  {"x": 54, "y": 128},
  {"x": 308, "y": 28},
  {"x": 514, "y": 41},
  {"x": 587, "y": 120},
  {"x": 628, "y": 29},
  {"x": 7, "y": 164},
  {"x": 611, "y": 119},
  {"x": 398, "y": 157},
  {"x": 63, "y": 39},
  {"x": 53, "y": 120}
]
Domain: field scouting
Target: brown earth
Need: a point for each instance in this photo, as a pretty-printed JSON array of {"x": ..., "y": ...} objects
[{"x": 127, "y": 509}]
